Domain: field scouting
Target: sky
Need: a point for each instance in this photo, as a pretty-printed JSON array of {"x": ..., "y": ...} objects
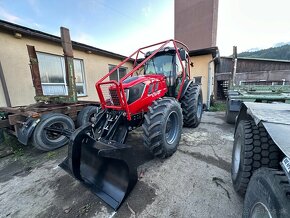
[{"x": 124, "y": 26}]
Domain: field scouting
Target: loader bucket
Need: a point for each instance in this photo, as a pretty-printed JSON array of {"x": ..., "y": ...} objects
[{"x": 105, "y": 167}]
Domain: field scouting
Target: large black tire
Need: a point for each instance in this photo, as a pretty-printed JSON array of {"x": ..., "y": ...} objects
[
  {"x": 44, "y": 139},
  {"x": 253, "y": 149},
  {"x": 87, "y": 115},
  {"x": 2, "y": 139},
  {"x": 267, "y": 195},
  {"x": 191, "y": 104},
  {"x": 231, "y": 115},
  {"x": 162, "y": 127}
]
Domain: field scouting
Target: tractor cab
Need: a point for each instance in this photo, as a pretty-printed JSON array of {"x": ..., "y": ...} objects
[{"x": 166, "y": 62}]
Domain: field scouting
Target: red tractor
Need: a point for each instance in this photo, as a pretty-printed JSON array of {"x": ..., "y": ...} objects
[{"x": 156, "y": 94}]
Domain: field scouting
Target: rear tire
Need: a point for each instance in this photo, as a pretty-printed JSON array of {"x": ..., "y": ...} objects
[
  {"x": 267, "y": 195},
  {"x": 87, "y": 115},
  {"x": 45, "y": 140},
  {"x": 2, "y": 138},
  {"x": 191, "y": 104},
  {"x": 253, "y": 149},
  {"x": 162, "y": 127}
]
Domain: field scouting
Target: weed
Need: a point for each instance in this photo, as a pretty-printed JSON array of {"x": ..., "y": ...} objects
[
  {"x": 51, "y": 154},
  {"x": 218, "y": 106},
  {"x": 12, "y": 142}
]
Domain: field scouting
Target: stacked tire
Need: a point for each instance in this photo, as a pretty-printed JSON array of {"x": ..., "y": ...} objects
[{"x": 256, "y": 172}]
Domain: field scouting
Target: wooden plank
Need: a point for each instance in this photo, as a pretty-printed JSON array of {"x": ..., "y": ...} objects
[
  {"x": 15, "y": 118},
  {"x": 4, "y": 123},
  {"x": 69, "y": 65},
  {"x": 34, "y": 68}
]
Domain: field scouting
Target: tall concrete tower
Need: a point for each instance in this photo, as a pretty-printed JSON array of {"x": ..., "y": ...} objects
[{"x": 195, "y": 22}]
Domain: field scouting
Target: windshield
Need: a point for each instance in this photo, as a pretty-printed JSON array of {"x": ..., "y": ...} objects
[{"x": 162, "y": 64}]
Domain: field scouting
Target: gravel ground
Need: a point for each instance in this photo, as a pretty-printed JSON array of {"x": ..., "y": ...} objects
[{"x": 194, "y": 182}]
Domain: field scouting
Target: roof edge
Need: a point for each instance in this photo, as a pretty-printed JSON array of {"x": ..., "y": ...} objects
[
  {"x": 204, "y": 51},
  {"x": 258, "y": 59},
  {"x": 46, "y": 36}
]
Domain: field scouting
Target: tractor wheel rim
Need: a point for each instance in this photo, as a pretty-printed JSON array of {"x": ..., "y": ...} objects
[
  {"x": 260, "y": 210},
  {"x": 199, "y": 107},
  {"x": 171, "y": 127},
  {"x": 237, "y": 158}
]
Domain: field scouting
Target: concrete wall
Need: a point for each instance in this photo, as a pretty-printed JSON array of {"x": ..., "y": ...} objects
[
  {"x": 15, "y": 63},
  {"x": 196, "y": 22},
  {"x": 200, "y": 68}
]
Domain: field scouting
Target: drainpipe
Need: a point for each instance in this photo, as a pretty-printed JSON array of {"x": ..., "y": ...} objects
[
  {"x": 4, "y": 86},
  {"x": 209, "y": 85}
]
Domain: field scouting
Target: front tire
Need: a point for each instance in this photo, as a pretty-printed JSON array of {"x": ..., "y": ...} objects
[
  {"x": 162, "y": 127},
  {"x": 267, "y": 195},
  {"x": 192, "y": 106},
  {"x": 253, "y": 149},
  {"x": 87, "y": 115}
]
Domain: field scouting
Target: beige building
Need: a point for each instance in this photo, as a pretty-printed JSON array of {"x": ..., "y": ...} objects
[
  {"x": 90, "y": 64},
  {"x": 203, "y": 70}
]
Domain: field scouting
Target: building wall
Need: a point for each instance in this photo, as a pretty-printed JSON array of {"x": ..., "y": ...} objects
[
  {"x": 15, "y": 63},
  {"x": 196, "y": 22},
  {"x": 2, "y": 97},
  {"x": 254, "y": 69},
  {"x": 200, "y": 68}
]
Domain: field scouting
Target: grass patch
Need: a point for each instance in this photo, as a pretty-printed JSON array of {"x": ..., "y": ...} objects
[
  {"x": 14, "y": 144},
  {"x": 218, "y": 106},
  {"x": 51, "y": 154}
]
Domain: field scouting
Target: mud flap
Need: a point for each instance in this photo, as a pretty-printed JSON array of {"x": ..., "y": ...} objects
[{"x": 106, "y": 167}]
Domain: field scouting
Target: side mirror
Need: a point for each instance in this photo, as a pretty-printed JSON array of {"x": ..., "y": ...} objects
[{"x": 182, "y": 54}]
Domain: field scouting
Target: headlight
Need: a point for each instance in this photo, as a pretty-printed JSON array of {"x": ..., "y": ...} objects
[
  {"x": 126, "y": 91},
  {"x": 135, "y": 92}
]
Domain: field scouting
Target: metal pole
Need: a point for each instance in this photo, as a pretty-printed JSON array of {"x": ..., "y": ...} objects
[
  {"x": 4, "y": 86},
  {"x": 235, "y": 59},
  {"x": 209, "y": 84}
]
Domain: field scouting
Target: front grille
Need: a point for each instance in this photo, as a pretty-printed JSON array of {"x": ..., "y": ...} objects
[
  {"x": 110, "y": 94},
  {"x": 114, "y": 97}
]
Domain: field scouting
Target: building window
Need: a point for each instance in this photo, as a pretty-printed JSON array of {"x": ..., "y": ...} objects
[
  {"x": 52, "y": 74},
  {"x": 197, "y": 79},
  {"x": 79, "y": 74},
  {"x": 117, "y": 74}
]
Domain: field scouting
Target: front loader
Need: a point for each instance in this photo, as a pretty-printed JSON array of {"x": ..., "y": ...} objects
[{"x": 157, "y": 95}]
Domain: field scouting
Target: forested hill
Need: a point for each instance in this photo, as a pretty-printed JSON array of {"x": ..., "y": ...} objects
[{"x": 279, "y": 53}]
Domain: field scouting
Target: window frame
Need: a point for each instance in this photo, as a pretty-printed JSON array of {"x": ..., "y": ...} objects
[
  {"x": 198, "y": 77},
  {"x": 64, "y": 74},
  {"x": 118, "y": 72}
]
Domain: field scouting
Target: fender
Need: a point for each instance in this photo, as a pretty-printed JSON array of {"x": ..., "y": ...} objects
[
  {"x": 25, "y": 131},
  {"x": 274, "y": 117},
  {"x": 185, "y": 87},
  {"x": 243, "y": 115}
]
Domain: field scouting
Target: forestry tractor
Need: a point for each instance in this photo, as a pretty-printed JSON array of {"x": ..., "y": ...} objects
[{"x": 157, "y": 95}]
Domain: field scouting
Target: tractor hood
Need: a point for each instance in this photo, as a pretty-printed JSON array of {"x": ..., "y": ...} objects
[{"x": 146, "y": 79}]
